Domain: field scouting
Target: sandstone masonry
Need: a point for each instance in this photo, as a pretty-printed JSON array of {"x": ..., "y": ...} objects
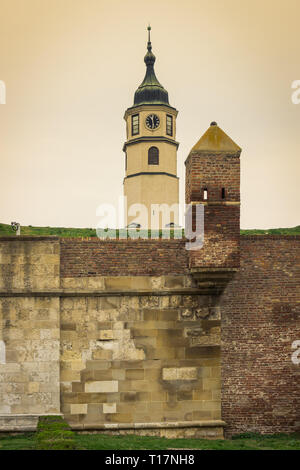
[{"x": 143, "y": 353}]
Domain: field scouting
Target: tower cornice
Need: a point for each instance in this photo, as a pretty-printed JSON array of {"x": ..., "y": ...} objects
[
  {"x": 150, "y": 107},
  {"x": 149, "y": 139},
  {"x": 150, "y": 173}
]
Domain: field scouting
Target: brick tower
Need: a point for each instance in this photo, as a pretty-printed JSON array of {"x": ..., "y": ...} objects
[{"x": 213, "y": 179}]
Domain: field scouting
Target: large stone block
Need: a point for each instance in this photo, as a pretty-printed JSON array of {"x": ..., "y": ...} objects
[
  {"x": 103, "y": 386},
  {"x": 119, "y": 418},
  {"x": 180, "y": 373},
  {"x": 127, "y": 282},
  {"x": 211, "y": 384},
  {"x": 78, "y": 408},
  {"x": 91, "y": 397},
  {"x": 134, "y": 374},
  {"x": 109, "y": 408},
  {"x": 106, "y": 334},
  {"x": 174, "y": 282}
]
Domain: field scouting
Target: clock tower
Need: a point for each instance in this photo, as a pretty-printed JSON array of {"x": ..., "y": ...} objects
[{"x": 151, "y": 183}]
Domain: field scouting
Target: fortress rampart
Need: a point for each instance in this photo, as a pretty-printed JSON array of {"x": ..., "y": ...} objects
[{"x": 121, "y": 336}]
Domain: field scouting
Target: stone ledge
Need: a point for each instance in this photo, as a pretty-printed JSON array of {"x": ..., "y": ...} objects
[
  {"x": 171, "y": 430},
  {"x": 97, "y": 293},
  {"x": 216, "y": 203},
  {"x": 159, "y": 425},
  {"x": 21, "y": 422},
  {"x": 210, "y": 429},
  {"x": 30, "y": 293},
  {"x": 213, "y": 270},
  {"x": 218, "y": 276}
]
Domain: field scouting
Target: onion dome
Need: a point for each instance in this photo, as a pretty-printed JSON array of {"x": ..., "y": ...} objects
[{"x": 150, "y": 91}]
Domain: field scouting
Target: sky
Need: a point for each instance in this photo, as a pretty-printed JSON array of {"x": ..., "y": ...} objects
[{"x": 71, "y": 68}]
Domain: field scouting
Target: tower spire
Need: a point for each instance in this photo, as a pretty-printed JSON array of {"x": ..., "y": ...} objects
[
  {"x": 149, "y": 46},
  {"x": 150, "y": 91}
]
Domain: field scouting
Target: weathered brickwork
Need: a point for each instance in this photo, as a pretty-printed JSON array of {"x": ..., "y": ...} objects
[
  {"x": 94, "y": 257},
  {"x": 221, "y": 246},
  {"x": 260, "y": 321},
  {"x": 217, "y": 175},
  {"x": 212, "y": 171}
]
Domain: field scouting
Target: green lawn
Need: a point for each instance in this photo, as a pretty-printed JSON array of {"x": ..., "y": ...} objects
[
  {"x": 5, "y": 230},
  {"x": 273, "y": 231},
  {"x": 104, "y": 442}
]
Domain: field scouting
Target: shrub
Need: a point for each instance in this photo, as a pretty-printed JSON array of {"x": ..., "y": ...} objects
[{"x": 54, "y": 433}]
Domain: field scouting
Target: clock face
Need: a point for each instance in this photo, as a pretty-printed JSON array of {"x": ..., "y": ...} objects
[{"x": 152, "y": 121}]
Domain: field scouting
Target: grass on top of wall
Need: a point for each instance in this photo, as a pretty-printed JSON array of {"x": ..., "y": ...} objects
[
  {"x": 6, "y": 230},
  {"x": 272, "y": 231},
  {"x": 247, "y": 441}
]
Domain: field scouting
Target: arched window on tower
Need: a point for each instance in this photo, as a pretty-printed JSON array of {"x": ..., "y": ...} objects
[{"x": 153, "y": 156}]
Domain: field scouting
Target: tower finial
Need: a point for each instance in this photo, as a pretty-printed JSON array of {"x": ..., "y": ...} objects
[
  {"x": 149, "y": 47},
  {"x": 150, "y": 91}
]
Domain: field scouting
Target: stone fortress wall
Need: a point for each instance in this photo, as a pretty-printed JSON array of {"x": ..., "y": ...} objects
[
  {"x": 29, "y": 330},
  {"x": 120, "y": 337}
]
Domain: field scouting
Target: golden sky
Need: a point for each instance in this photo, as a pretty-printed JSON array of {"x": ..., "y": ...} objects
[{"x": 71, "y": 68}]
